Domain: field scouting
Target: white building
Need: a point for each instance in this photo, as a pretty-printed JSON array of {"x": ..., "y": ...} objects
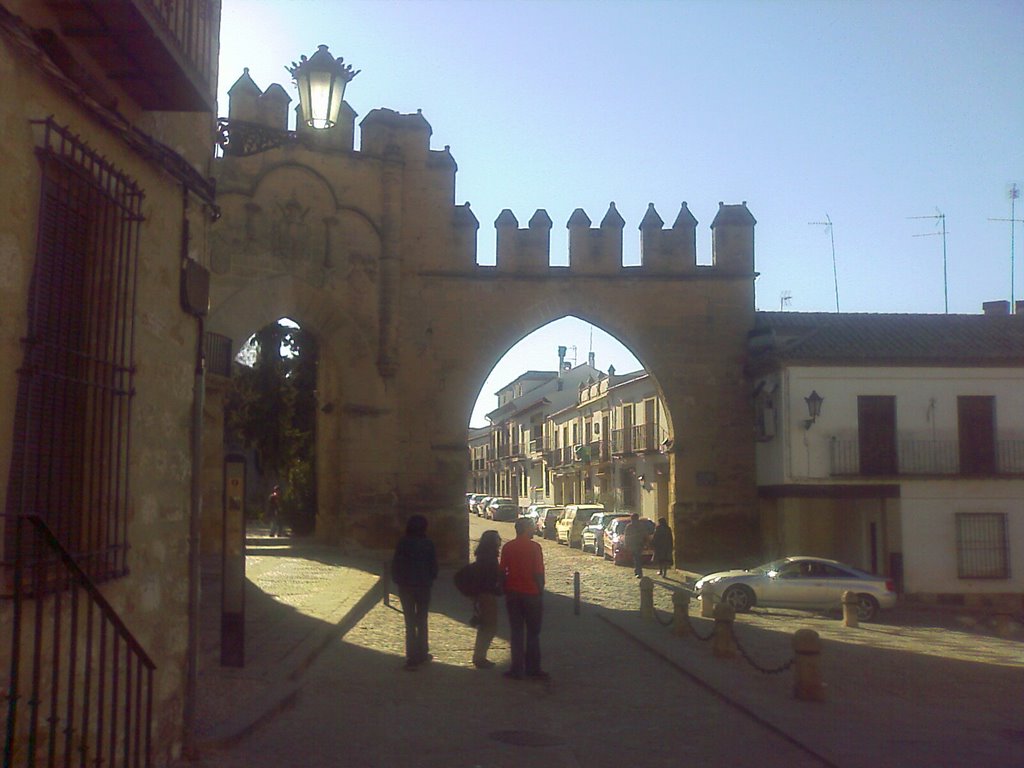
[{"x": 914, "y": 466}]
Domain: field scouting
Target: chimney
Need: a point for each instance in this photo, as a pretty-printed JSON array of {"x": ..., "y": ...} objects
[
  {"x": 996, "y": 307},
  {"x": 591, "y": 358},
  {"x": 561, "y": 360}
]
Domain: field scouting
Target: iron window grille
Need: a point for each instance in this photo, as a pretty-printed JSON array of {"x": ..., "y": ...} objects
[
  {"x": 72, "y": 431},
  {"x": 982, "y": 547}
]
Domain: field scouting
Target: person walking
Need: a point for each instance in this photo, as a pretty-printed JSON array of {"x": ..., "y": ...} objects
[
  {"x": 522, "y": 564},
  {"x": 488, "y": 576},
  {"x": 274, "y": 511},
  {"x": 636, "y": 537},
  {"x": 413, "y": 569},
  {"x": 662, "y": 543}
]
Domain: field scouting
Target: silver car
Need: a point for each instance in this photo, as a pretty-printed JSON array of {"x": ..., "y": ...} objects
[{"x": 799, "y": 582}]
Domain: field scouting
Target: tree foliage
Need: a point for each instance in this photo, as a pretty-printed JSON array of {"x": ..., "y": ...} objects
[{"x": 272, "y": 408}]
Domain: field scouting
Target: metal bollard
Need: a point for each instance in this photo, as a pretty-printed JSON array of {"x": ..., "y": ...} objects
[
  {"x": 723, "y": 644},
  {"x": 681, "y": 613},
  {"x": 850, "y": 603},
  {"x": 707, "y": 606},
  {"x": 647, "y": 597},
  {"x": 807, "y": 684},
  {"x": 576, "y": 593}
]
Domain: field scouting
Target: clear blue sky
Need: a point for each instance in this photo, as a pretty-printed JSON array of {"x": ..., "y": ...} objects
[{"x": 867, "y": 112}]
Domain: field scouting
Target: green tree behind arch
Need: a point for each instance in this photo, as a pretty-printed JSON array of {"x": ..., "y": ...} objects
[{"x": 272, "y": 409}]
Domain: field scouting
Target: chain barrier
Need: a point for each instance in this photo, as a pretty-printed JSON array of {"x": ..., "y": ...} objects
[
  {"x": 754, "y": 664},
  {"x": 693, "y": 628},
  {"x": 739, "y": 646}
]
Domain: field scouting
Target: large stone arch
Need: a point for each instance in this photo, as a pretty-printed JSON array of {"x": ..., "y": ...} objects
[{"x": 369, "y": 251}]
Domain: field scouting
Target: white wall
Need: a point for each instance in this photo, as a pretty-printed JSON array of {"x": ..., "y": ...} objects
[
  {"x": 926, "y": 408},
  {"x": 929, "y": 533}
]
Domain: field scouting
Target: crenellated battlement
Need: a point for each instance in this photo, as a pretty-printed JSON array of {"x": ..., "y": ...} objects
[
  {"x": 391, "y": 140},
  {"x": 598, "y": 250}
]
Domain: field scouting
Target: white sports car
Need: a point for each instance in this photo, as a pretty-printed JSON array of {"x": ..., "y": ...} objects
[{"x": 799, "y": 582}]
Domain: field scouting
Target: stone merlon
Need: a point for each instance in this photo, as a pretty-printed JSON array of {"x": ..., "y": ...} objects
[{"x": 384, "y": 127}]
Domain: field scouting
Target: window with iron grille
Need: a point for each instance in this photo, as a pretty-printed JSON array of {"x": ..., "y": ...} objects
[
  {"x": 982, "y": 548},
  {"x": 75, "y": 385}
]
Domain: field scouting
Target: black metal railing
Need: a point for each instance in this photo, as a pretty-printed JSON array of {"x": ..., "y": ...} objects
[
  {"x": 926, "y": 457},
  {"x": 79, "y": 686},
  {"x": 190, "y": 23}
]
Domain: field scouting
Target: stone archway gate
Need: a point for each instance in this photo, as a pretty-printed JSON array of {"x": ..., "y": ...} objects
[{"x": 368, "y": 250}]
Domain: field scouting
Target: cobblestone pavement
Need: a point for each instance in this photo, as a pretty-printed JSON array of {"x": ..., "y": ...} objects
[{"x": 918, "y": 688}]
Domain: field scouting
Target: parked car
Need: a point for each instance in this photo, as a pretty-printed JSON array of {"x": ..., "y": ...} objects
[
  {"x": 494, "y": 502},
  {"x": 570, "y": 525},
  {"x": 592, "y": 537},
  {"x": 800, "y": 582},
  {"x": 481, "y": 506},
  {"x": 615, "y": 541},
  {"x": 546, "y": 519},
  {"x": 533, "y": 511},
  {"x": 503, "y": 510}
]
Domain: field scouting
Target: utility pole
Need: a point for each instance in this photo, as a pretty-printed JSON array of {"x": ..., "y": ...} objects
[
  {"x": 784, "y": 300},
  {"x": 835, "y": 275},
  {"x": 941, "y": 217},
  {"x": 1013, "y": 193}
]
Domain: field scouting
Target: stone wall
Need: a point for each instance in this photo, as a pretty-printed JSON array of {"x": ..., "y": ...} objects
[{"x": 367, "y": 250}]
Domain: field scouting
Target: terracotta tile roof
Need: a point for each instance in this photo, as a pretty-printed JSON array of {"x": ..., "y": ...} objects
[{"x": 868, "y": 339}]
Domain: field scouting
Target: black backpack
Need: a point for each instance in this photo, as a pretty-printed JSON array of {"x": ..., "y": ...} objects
[{"x": 467, "y": 580}]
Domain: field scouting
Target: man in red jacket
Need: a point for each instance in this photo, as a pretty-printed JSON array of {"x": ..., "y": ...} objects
[{"x": 522, "y": 563}]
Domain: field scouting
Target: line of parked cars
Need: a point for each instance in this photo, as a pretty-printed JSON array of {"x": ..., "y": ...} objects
[
  {"x": 589, "y": 527},
  {"x": 500, "y": 508},
  {"x": 809, "y": 583}
]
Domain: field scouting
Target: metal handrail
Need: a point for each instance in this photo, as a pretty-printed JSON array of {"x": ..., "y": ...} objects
[{"x": 86, "y": 684}]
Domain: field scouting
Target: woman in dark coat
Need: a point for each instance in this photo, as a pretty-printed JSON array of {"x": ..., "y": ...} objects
[
  {"x": 662, "y": 543},
  {"x": 413, "y": 569},
  {"x": 486, "y": 601}
]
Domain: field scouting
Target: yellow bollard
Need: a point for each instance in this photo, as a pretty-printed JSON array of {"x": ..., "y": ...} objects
[
  {"x": 807, "y": 684},
  {"x": 681, "y": 613},
  {"x": 647, "y": 597},
  {"x": 723, "y": 644},
  {"x": 707, "y": 606},
  {"x": 850, "y": 603}
]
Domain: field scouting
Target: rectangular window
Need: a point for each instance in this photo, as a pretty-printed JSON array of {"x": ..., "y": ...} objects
[
  {"x": 71, "y": 441},
  {"x": 982, "y": 548},
  {"x": 976, "y": 422},
  {"x": 876, "y": 425}
]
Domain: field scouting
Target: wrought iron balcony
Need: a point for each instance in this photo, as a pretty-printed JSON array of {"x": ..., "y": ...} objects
[
  {"x": 925, "y": 457},
  {"x": 159, "y": 51}
]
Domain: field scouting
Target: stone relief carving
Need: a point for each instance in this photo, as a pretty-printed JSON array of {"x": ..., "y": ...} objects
[{"x": 289, "y": 233}]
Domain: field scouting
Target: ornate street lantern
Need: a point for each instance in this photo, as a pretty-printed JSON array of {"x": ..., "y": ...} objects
[
  {"x": 321, "y": 80},
  {"x": 814, "y": 401}
]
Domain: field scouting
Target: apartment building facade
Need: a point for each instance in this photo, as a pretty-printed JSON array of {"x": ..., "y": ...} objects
[
  {"x": 104, "y": 216},
  {"x": 895, "y": 443}
]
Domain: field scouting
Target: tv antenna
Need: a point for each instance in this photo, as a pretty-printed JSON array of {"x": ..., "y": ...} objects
[
  {"x": 1013, "y": 192},
  {"x": 941, "y": 219},
  {"x": 835, "y": 275},
  {"x": 785, "y": 298}
]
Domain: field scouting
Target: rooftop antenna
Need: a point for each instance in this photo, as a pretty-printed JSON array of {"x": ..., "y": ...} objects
[
  {"x": 941, "y": 219},
  {"x": 785, "y": 298},
  {"x": 1013, "y": 192},
  {"x": 827, "y": 223}
]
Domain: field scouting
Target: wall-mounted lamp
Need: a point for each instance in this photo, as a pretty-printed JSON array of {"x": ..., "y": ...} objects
[{"x": 814, "y": 401}]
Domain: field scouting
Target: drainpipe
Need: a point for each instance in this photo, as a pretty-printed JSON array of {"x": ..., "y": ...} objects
[{"x": 195, "y": 299}]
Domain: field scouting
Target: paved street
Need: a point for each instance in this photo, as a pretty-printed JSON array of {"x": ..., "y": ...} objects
[{"x": 925, "y": 691}]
